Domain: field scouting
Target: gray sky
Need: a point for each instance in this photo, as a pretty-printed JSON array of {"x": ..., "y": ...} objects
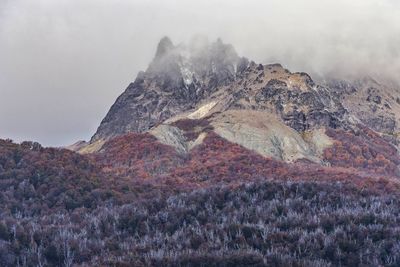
[{"x": 64, "y": 62}]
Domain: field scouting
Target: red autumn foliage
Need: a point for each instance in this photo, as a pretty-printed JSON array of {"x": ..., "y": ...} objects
[
  {"x": 363, "y": 149},
  {"x": 39, "y": 179},
  {"x": 217, "y": 161},
  {"x": 138, "y": 166},
  {"x": 140, "y": 157},
  {"x": 137, "y": 156}
]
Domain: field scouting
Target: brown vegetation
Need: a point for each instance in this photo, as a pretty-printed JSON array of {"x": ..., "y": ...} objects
[{"x": 363, "y": 149}]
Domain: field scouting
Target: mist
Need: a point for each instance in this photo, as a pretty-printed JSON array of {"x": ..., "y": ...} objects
[{"x": 64, "y": 62}]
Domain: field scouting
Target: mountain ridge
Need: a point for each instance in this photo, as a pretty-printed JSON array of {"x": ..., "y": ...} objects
[{"x": 208, "y": 80}]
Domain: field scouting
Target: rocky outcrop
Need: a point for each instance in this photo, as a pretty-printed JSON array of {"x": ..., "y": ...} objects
[
  {"x": 77, "y": 145},
  {"x": 302, "y": 109},
  {"x": 172, "y": 136},
  {"x": 177, "y": 79},
  {"x": 263, "y": 133},
  {"x": 372, "y": 103},
  {"x": 258, "y": 131}
]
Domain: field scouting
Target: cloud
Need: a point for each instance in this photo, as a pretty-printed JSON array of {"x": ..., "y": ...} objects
[{"x": 63, "y": 62}]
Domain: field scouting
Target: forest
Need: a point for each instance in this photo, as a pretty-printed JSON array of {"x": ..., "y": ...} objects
[
  {"x": 254, "y": 224},
  {"x": 138, "y": 202}
]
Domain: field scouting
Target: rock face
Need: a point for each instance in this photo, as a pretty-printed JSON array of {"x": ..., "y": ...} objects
[
  {"x": 189, "y": 90},
  {"x": 180, "y": 77},
  {"x": 258, "y": 131},
  {"x": 374, "y": 104},
  {"x": 293, "y": 97},
  {"x": 262, "y": 133},
  {"x": 176, "y": 80}
]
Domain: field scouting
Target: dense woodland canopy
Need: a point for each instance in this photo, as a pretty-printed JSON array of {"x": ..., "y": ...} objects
[
  {"x": 138, "y": 202},
  {"x": 258, "y": 224}
]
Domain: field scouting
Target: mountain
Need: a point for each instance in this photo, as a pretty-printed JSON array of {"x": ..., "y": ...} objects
[
  {"x": 191, "y": 90},
  {"x": 208, "y": 158},
  {"x": 182, "y": 77},
  {"x": 178, "y": 78}
]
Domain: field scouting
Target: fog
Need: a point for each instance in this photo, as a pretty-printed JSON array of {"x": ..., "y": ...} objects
[{"x": 64, "y": 62}]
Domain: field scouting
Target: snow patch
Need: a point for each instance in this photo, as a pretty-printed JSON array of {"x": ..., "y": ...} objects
[
  {"x": 187, "y": 75},
  {"x": 213, "y": 67},
  {"x": 202, "y": 111}
]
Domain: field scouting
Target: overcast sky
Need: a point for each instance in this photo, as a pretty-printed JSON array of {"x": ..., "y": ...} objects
[{"x": 64, "y": 62}]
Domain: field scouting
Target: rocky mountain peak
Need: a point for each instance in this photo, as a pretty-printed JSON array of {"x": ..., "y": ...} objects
[
  {"x": 176, "y": 80},
  {"x": 202, "y": 79},
  {"x": 196, "y": 60},
  {"x": 164, "y": 47}
]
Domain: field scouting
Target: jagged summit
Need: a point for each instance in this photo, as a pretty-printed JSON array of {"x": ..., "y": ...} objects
[
  {"x": 164, "y": 47},
  {"x": 195, "y": 60},
  {"x": 176, "y": 80}
]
